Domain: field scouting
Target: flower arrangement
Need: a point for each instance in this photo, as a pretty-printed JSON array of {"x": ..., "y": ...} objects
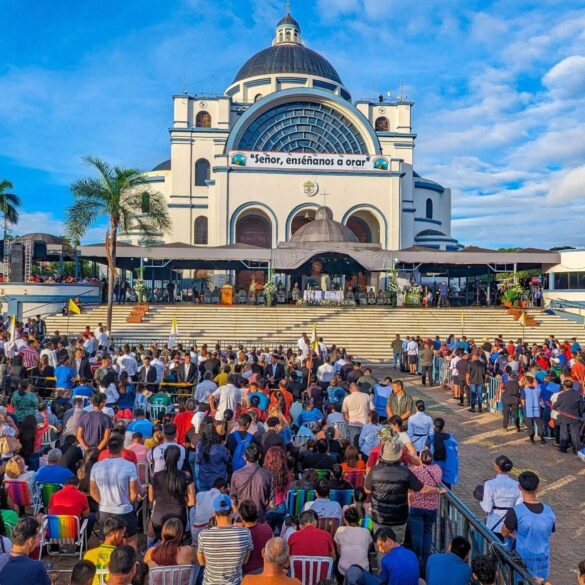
[
  {"x": 270, "y": 292},
  {"x": 386, "y": 434},
  {"x": 142, "y": 291},
  {"x": 514, "y": 293}
]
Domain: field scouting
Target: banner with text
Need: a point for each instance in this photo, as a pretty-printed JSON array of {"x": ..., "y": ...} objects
[{"x": 307, "y": 161}]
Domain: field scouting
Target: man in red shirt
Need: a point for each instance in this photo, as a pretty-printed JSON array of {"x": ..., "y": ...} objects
[
  {"x": 70, "y": 501},
  {"x": 311, "y": 541},
  {"x": 183, "y": 421}
]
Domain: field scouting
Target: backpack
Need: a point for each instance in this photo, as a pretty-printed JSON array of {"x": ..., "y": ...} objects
[{"x": 238, "y": 460}]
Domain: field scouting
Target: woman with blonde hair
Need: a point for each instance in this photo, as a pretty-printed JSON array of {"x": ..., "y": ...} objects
[
  {"x": 16, "y": 469},
  {"x": 170, "y": 551}
]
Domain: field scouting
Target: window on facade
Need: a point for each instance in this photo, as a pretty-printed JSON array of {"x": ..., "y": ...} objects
[
  {"x": 257, "y": 97},
  {"x": 145, "y": 202},
  {"x": 202, "y": 170},
  {"x": 200, "y": 235},
  {"x": 429, "y": 213},
  {"x": 203, "y": 120},
  {"x": 382, "y": 124},
  {"x": 569, "y": 280}
]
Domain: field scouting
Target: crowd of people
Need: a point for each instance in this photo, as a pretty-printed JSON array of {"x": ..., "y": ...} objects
[{"x": 243, "y": 463}]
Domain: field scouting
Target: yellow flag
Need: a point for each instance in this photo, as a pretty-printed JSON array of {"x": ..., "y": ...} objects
[
  {"x": 73, "y": 308},
  {"x": 522, "y": 319},
  {"x": 314, "y": 338}
]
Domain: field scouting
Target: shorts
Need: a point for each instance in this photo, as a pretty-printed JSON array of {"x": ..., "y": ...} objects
[
  {"x": 130, "y": 518},
  {"x": 455, "y": 380},
  {"x": 412, "y": 359}
]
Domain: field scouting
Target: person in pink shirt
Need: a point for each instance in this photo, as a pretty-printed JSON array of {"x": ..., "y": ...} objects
[{"x": 138, "y": 447}]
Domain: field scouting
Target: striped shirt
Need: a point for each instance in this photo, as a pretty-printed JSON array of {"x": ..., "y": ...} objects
[
  {"x": 30, "y": 358},
  {"x": 224, "y": 550}
]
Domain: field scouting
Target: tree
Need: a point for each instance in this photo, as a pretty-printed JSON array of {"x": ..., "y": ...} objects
[
  {"x": 9, "y": 203},
  {"x": 118, "y": 194}
]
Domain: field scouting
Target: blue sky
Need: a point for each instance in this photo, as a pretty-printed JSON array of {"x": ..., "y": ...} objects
[{"x": 499, "y": 88}]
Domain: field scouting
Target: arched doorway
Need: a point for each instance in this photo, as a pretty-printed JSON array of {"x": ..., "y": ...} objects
[
  {"x": 253, "y": 228},
  {"x": 365, "y": 226},
  {"x": 302, "y": 218}
]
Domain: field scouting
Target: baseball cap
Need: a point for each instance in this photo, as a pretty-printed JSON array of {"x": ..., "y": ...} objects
[{"x": 222, "y": 503}]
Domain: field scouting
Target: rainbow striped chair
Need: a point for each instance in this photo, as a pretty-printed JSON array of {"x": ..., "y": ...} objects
[
  {"x": 329, "y": 525},
  {"x": 367, "y": 522},
  {"x": 296, "y": 500},
  {"x": 20, "y": 493},
  {"x": 63, "y": 530},
  {"x": 46, "y": 491},
  {"x": 356, "y": 477},
  {"x": 322, "y": 473},
  {"x": 342, "y": 497}
]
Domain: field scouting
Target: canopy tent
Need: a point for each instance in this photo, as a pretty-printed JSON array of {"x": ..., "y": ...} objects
[{"x": 290, "y": 256}]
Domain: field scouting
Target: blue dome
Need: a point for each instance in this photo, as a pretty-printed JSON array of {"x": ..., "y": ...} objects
[{"x": 288, "y": 58}]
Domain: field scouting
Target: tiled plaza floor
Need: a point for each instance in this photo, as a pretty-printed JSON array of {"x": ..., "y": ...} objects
[{"x": 481, "y": 440}]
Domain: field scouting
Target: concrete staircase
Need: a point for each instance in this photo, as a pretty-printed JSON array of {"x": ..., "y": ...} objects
[{"x": 367, "y": 332}]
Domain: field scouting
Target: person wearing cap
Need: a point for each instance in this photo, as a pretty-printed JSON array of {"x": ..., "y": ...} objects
[
  {"x": 500, "y": 494},
  {"x": 113, "y": 529},
  {"x": 223, "y": 549},
  {"x": 388, "y": 482},
  {"x": 531, "y": 524}
]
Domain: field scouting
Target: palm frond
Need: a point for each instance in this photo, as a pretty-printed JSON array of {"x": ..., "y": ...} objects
[
  {"x": 5, "y": 184},
  {"x": 80, "y": 217}
]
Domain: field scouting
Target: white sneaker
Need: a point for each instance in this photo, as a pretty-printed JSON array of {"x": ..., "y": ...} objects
[{"x": 581, "y": 455}]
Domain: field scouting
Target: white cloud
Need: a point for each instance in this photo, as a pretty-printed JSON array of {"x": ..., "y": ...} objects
[
  {"x": 45, "y": 222},
  {"x": 570, "y": 186},
  {"x": 567, "y": 78}
]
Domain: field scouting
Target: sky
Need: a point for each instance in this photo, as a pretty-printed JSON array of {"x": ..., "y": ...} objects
[{"x": 498, "y": 86}]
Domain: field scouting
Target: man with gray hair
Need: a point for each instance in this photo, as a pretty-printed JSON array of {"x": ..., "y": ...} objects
[
  {"x": 53, "y": 472},
  {"x": 275, "y": 555}
]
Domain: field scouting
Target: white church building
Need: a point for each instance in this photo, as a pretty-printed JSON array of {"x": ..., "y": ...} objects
[{"x": 253, "y": 165}]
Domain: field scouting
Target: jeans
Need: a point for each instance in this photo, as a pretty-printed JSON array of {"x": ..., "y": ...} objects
[
  {"x": 476, "y": 393},
  {"x": 396, "y": 361},
  {"x": 193, "y": 465},
  {"x": 421, "y": 524},
  {"x": 427, "y": 371}
]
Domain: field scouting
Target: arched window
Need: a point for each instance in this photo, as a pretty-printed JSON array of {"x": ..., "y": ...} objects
[
  {"x": 200, "y": 235},
  {"x": 429, "y": 213},
  {"x": 382, "y": 124},
  {"x": 202, "y": 169},
  {"x": 145, "y": 203},
  {"x": 257, "y": 97},
  {"x": 203, "y": 120}
]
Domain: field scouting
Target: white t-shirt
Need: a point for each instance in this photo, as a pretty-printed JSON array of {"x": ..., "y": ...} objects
[
  {"x": 157, "y": 456},
  {"x": 412, "y": 347},
  {"x": 325, "y": 508},
  {"x": 229, "y": 398},
  {"x": 357, "y": 405},
  {"x": 113, "y": 477},
  {"x": 354, "y": 543}
]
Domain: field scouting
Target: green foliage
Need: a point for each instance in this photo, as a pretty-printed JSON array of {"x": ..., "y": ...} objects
[{"x": 9, "y": 204}]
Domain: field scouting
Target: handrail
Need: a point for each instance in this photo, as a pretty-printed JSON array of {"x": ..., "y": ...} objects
[
  {"x": 562, "y": 303},
  {"x": 456, "y": 519}
]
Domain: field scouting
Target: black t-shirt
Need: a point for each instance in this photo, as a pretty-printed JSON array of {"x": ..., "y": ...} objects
[
  {"x": 166, "y": 505},
  {"x": 72, "y": 455},
  {"x": 310, "y": 460},
  {"x": 511, "y": 521}
]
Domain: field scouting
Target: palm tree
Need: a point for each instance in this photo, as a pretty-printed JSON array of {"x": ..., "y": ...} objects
[
  {"x": 117, "y": 193},
  {"x": 9, "y": 202}
]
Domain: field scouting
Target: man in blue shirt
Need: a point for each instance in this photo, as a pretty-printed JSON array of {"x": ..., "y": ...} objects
[
  {"x": 83, "y": 389},
  {"x": 53, "y": 472},
  {"x": 20, "y": 568},
  {"x": 399, "y": 565},
  {"x": 450, "y": 568},
  {"x": 141, "y": 425},
  {"x": 64, "y": 375}
]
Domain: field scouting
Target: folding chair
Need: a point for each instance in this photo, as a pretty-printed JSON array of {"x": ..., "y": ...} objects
[
  {"x": 63, "y": 530},
  {"x": 329, "y": 525},
  {"x": 323, "y": 473},
  {"x": 356, "y": 477},
  {"x": 20, "y": 493},
  {"x": 177, "y": 575},
  {"x": 367, "y": 522},
  {"x": 311, "y": 570},
  {"x": 46, "y": 491},
  {"x": 342, "y": 497},
  {"x": 296, "y": 500}
]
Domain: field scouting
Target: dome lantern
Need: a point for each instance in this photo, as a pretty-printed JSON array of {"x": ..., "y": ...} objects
[{"x": 288, "y": 30}]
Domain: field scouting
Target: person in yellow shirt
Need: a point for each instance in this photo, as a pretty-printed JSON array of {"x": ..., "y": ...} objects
[
  {"x": 222, "y": 378},
  {"x": 114, "y": 530}
]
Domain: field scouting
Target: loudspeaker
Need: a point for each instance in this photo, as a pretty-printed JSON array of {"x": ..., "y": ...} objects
[{"x": 17, "y": 262}]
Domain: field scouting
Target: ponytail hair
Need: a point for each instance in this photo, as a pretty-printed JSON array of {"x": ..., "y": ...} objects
[{"x": 440, "y": 451}]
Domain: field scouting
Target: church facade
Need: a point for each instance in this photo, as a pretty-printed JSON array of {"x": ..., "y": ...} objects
[{"x": 253, "y": 165}]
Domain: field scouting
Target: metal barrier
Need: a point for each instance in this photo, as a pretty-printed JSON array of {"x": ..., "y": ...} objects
[{"x": 456, "y": 519}]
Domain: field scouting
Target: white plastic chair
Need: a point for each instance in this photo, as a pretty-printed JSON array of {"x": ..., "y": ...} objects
[
  {"x": 177, "y": 575},
  {"x": 46, "y": 440},
  {"x": 311, "y": 570},
  {"x": 155, "y": 410}
]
